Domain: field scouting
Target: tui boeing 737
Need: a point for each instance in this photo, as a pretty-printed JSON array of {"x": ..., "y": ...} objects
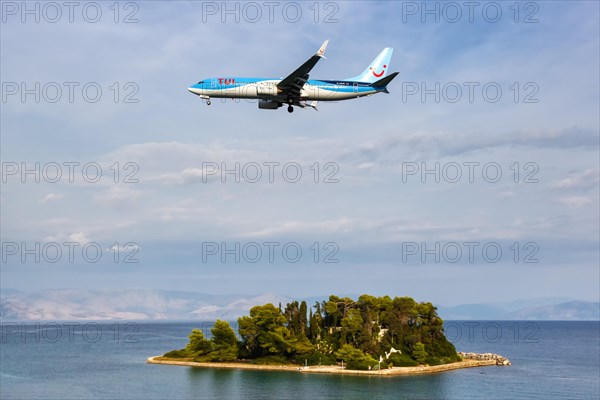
[{"x": 296, "y": 89}]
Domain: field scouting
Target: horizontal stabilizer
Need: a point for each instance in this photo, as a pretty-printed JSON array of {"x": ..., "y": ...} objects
[{"x": 383, "y": 82}]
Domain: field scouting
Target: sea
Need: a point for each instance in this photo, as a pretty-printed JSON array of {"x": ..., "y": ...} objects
[{"x": 99, "y": 360}]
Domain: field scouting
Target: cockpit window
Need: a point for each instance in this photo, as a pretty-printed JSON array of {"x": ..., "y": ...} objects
[{"x": 200, "y": 83}]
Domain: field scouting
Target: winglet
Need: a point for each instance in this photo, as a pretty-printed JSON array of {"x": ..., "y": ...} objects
[{"x": 321, "y": 52}]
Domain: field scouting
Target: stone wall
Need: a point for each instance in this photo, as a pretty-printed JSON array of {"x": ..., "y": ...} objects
[{"x": 484, "y": 357}]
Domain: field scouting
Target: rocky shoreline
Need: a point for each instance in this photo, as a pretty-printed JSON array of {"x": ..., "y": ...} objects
[
  {"x": 470, "y": 360},
  {"x": 497, "y": 358}
]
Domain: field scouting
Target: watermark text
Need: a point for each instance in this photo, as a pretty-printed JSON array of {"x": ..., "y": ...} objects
[
  {"x": 271, "y": 252},
  {"x": 469, "y": 252},
  {"x": 69, "y": 172},
  {"x": 71, "y": 332},
  {"x": 70, "y": 92},
  {"x": 53, "y": 12},
  {"x": 470, "y": 172},
  {"x": 70, "y": 252}
]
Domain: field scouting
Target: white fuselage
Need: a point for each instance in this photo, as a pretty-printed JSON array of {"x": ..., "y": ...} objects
[{"x": 266, "y": 89}]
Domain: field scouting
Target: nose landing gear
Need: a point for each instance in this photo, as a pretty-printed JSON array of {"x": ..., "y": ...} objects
[
  {"x": 290, "y": 109},
  {"x": 206, "y": 99}
]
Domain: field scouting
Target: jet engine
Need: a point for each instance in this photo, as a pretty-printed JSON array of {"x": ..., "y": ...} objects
[
  {"x": 267, "y": 90},
  {"x": 268, "y": 104}
]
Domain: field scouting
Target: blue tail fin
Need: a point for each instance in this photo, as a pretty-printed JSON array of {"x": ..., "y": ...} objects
[{"x": 377, "y": 69}]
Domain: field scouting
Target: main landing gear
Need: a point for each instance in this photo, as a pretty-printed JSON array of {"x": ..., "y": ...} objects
[{"x": 290, "y": 109}]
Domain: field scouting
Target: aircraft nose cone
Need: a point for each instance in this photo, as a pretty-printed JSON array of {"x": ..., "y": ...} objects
[{"x": 194, "y": 90}]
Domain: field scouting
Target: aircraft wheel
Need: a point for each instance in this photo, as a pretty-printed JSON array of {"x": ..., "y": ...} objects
[
  {"x": 290, "y": 109},
  {"x": 208, "y": 103}
]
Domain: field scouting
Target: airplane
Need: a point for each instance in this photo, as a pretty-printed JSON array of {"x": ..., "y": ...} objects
[{"x": 297, "y": 89}]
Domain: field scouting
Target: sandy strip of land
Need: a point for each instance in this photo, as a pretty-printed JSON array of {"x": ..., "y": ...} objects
[{"x": 329, "y": 369}]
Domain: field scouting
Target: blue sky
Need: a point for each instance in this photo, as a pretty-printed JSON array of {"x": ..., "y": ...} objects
[{"x": 543, "y": 125}]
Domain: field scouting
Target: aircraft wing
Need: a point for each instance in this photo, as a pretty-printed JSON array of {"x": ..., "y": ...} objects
[{"x": 293, "y": 83}]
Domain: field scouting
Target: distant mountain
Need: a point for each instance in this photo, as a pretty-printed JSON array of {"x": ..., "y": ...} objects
[
  {"x": 142, "y": 304},
  {"x": 569, "y": 311},
  {"x": 70, "y": 304},
  {"x": 557, "y": 309},
  {"x": 471, "y": 311}
]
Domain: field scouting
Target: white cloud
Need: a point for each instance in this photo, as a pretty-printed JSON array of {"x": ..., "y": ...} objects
[
  {"x": 169, "y": 134},
  {"x": 587, "y": 179},
  {"x": 118, "y": 194},
  {"x": 186, "y": 210},
  {"x": 79, "y": 237},
  {"x": 343, "y": 225},
  {"x": 576, "y": 201},
  {"x": 51, "y": 197}
]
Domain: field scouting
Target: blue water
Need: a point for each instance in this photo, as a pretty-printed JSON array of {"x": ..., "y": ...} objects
[{"x": 551, "y": 360}]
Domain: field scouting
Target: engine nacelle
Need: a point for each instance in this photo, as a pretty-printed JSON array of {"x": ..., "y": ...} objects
[
  {"x": 265, "y": 89},
  {"x": 268, "y": 104}
]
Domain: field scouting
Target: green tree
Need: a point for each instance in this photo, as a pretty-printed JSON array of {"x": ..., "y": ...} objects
[
  {"x": 264, "y": 332},
  {"x": 355, "y": 358},
  {"x": 198, "y": 345},
  {"x": 302, "y": 317},
  {"x": 336, "y": 309},
  {"x": 370, "y": 308},
  {"x": 224, "y": 342},
  {"x": 301, "y": 347},
  {"x": 316, "y": 324},
  {"x": 352, "y": 325},
  {"x": 332, "y": 313},
  {"x": 292, "y": 316},
  {"x": 419, "y": 353},
  {"x": 248, "y": 330},
  {"x": 348, "y": 352}
]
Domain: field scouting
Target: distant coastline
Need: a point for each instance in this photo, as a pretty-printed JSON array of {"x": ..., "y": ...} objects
[{"x": 479, "y": 360}]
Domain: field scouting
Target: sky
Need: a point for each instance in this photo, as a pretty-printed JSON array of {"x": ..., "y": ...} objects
[{"x": 475, "y": 180}]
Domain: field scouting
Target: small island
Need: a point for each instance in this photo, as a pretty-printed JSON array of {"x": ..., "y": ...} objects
[{"x": 372, "y": 335}]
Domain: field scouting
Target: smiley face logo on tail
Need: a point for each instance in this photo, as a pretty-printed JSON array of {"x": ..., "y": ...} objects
[
  {"x": 378, "y": 75},
  {"x": 376, "y": 69}
]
